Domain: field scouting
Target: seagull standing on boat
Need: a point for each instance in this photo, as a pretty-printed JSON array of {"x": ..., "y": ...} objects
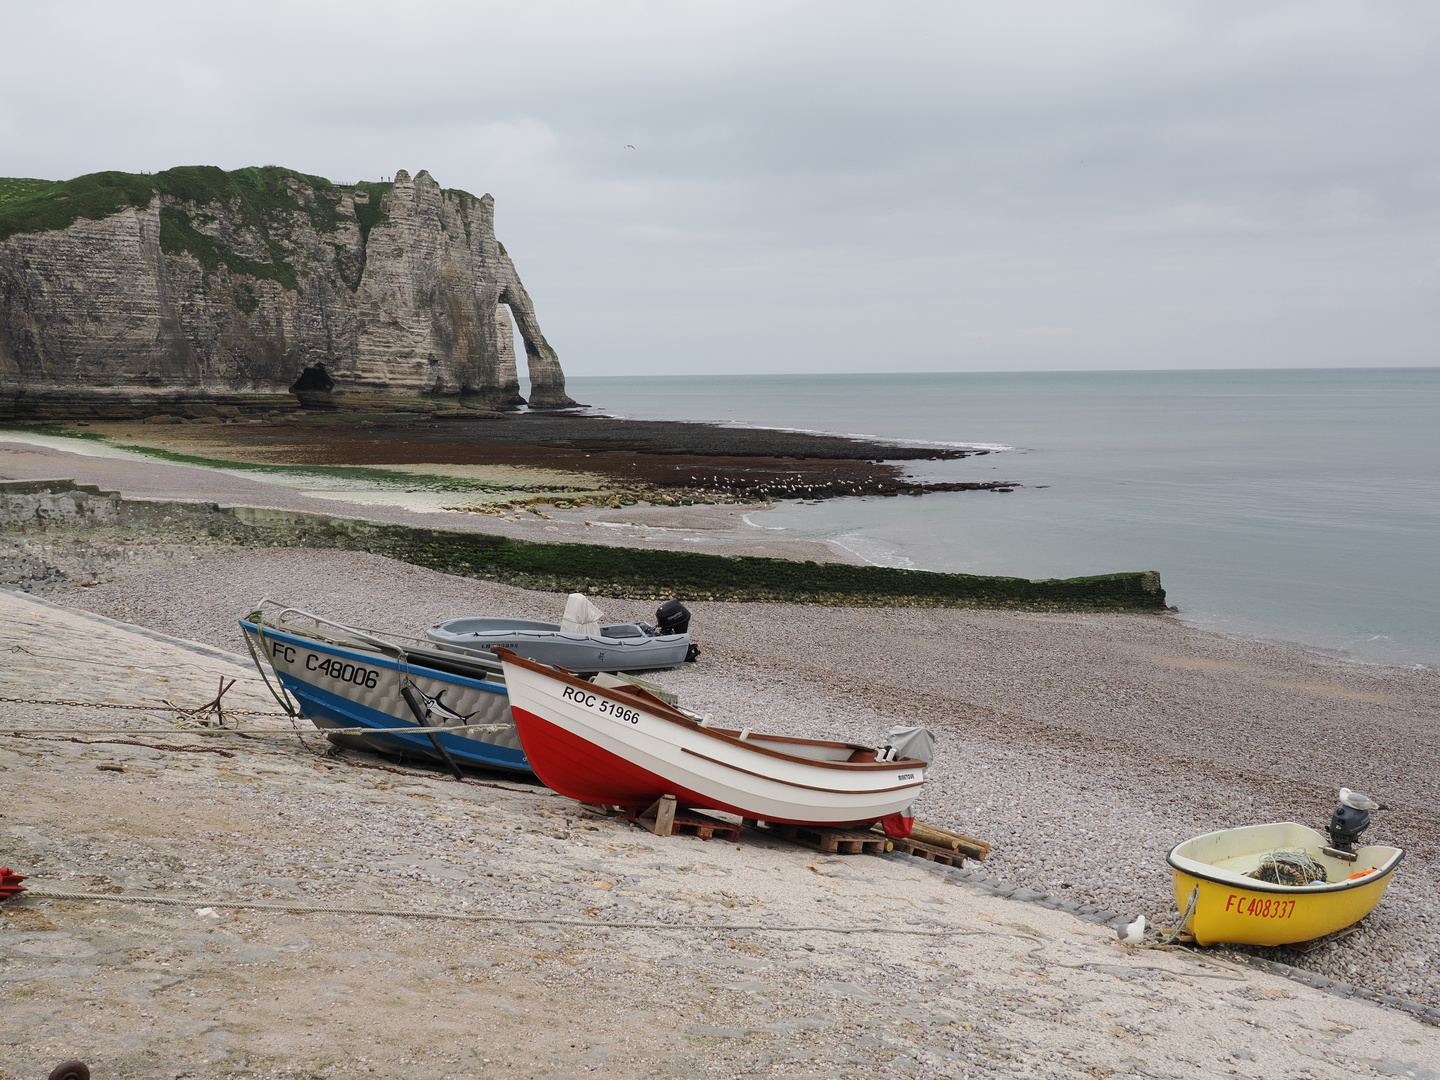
[
  {"x": 1356, "y": 801},
  {"x": 1132, "y": 933}
]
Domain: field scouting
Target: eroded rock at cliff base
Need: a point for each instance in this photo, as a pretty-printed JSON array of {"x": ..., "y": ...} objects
[{"x": 121, "y": 295}]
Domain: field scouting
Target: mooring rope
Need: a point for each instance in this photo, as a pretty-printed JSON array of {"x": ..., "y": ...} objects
[
  {"x": 42, "y": 893},
  {"x": 412, "y": 729},
  {"x": 282, "y": 698},
  {"x": 163, "y": 706},
  {"x": 148, "y": 668}
]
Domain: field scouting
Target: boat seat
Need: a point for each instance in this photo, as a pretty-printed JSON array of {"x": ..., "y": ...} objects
[
  {"x": 622, "y": 631},
  {"x": 640, "y": 692}
]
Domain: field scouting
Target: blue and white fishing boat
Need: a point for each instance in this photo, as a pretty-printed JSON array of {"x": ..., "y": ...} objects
[{"x": 385, "y": 692}]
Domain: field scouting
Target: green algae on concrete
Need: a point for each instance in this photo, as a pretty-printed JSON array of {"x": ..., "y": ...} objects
[
  {"x": 653, "y": 574},
  {"x": 630, "y": 573}
]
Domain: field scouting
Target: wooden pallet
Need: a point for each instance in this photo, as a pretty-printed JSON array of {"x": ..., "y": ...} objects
[
  {"x": 666, "y": 818},
  {"x": 949, "y": 839},
  {"x": 928, "y": 851},
  {"x": 831, "y": 841}
]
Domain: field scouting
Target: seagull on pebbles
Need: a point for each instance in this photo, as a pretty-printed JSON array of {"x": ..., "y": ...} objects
[
  {"x": 1356, "y": 801},
  {"x": 1132, "y": 933}
]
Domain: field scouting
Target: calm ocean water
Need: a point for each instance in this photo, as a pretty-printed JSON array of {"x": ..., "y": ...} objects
[{"x": 1302, "y": 506}]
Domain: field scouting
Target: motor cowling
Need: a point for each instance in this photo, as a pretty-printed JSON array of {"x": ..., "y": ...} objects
[
  {"x": 1346, "y": 825},
  {"x": 672, "y": 617}
]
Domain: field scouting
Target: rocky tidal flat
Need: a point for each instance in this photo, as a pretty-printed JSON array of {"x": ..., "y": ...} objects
[{"x": 598, "y": 460}]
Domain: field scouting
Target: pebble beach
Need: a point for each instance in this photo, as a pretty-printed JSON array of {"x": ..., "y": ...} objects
[
  {"x": 339, "y": 915},
  {"x": 1083, "y": 747}
]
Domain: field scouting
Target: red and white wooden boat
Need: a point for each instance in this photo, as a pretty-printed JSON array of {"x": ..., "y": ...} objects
[{"x": 620, "y": 745}]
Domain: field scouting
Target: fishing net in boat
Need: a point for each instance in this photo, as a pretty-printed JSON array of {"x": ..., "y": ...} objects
[{"x": 1289, "y": 868}]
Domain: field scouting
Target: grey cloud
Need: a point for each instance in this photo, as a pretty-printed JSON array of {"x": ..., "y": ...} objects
[{"x": 832, "y": 186}]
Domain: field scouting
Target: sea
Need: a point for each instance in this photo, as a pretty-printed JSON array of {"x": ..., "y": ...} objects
[{"x": 1300, "y": 506}]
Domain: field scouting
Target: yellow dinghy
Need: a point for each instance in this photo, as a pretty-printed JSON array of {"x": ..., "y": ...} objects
[{"x": 1234, "y": 908}]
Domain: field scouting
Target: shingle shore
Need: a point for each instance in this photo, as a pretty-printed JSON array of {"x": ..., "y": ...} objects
[
  {"x": 1083, "y": 746},
  {"x": 1003, "y": 989}
]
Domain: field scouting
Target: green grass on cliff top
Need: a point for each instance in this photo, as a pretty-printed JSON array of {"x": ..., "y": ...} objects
[
  {"x": 98, "y": 195},
  {"x": 258, "y": 193},
  {"x": 13, "y": 188}
]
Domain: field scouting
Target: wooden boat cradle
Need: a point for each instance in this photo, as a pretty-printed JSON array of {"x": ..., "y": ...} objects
[
  {"x": 829, "y": 840},
  {"x": 943, "y": 856},
  {"x": 667, "y": 818}
]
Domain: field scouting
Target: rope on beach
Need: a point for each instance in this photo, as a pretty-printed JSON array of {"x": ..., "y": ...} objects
[
  {"x": 418, "y": 913},
  {"x": 412, "y": 729},
  {"x": 163, "y": 706},
  {"x": 1169, "y": 940},
  {"x": 119, "y": 666},
  {"x": 102, "y": 736},
  {"x": 282, "y": 698}
]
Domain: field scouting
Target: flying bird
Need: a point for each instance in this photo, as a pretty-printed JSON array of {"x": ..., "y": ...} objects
[
  {"x": 1356, "y": 801},
  {"x": 1132, "y": 933},
  {"x": 629, "y": 146}
]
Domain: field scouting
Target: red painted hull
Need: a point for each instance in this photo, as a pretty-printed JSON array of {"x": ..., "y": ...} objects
[{"x": 578, "y": 769}]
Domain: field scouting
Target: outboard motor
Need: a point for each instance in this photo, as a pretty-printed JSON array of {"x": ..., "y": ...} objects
[
  {"x": 1346, "y": 825},
  {"x": 672, "y": 617}
]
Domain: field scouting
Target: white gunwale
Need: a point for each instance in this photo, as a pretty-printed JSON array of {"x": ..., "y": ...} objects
[{"x": 1388, "y": 858}]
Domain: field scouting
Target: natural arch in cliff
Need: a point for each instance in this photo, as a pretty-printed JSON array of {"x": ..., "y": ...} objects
[{"x": 547, "y": 381}]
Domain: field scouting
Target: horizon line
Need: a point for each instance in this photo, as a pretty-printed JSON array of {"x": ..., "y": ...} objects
[{"x": 1001, "y": 371}]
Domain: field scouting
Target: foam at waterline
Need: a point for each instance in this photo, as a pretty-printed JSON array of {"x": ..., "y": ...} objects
[
  {"x": 858, "y": 546},
  {"x": 768, "y": 528},
  {"x": 888, "y": 556},
  {"x": 994, "y": 448},
  {"x": 938, "y": 444}
]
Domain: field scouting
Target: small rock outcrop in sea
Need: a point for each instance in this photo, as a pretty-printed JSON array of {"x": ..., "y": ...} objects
[{"x": 122, "y": 294}]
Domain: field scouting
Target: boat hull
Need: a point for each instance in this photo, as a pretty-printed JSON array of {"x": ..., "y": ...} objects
[
  {"x": 1232, "y": 908},
  {"x": 602, "y": 747},
  {"x": 1237, "y": 916},
  {"x": 337, "y": 687}
]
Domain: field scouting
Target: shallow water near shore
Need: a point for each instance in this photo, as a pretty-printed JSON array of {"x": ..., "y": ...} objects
[{"x": 1301, "y": 506}]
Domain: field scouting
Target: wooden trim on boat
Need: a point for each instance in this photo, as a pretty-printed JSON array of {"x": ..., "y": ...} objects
[
  {"x": 791, "y": 783},
  {"x": 664, "y": 711},
  {"x": 807, "y": 742}
]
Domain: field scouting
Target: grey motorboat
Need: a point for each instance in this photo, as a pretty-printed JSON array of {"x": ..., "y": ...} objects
[{"x": 579, "y": 642}]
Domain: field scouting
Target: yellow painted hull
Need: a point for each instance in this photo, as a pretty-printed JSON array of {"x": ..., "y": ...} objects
[
  {"x": 1239, "y": 916},
  {"x": 1233, "y": 908}
]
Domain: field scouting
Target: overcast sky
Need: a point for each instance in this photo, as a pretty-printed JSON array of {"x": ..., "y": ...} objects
[{"x": 834, "y": 186}]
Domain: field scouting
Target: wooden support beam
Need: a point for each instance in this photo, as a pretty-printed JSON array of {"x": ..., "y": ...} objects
[
  {"x": 934, "y": 836},
  {"x": 665, "y": 817},
  {"x": 659, "y": 818}
]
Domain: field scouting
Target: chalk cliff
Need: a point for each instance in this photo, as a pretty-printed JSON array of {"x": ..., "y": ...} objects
[{"x": 119, "y": 292}]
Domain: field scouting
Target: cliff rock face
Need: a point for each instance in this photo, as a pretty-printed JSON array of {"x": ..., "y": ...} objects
[{"x": 196, "y": 283}]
